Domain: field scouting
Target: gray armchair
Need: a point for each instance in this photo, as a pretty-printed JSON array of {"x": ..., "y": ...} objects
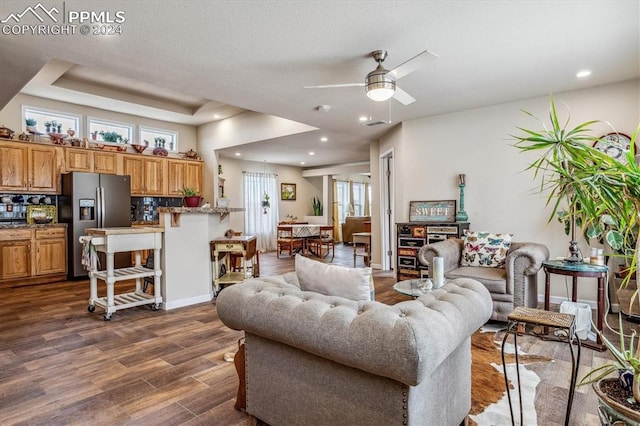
[{"x": 514, "y": 285}]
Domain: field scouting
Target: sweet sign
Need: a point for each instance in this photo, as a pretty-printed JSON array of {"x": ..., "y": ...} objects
[{"x": 432, "y": 211}]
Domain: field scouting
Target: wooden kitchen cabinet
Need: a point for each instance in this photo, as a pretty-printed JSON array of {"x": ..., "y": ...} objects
[
  {"x": 15, "y": 254},
  {"x": 146, "y": 175},
  {"x": 184, "y": 173},
  {"x": 50, "y": 251},
  {"x": 84, "y": 160},
  {"x": 33, "y": 255},
  {"x": 105, "y": 162},
  {"x": 28, "y": 167},
  {"x": 13, "y": 170}
]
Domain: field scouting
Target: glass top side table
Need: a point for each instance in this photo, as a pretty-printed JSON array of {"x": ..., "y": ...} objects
[{"x": 575, "y": 270}]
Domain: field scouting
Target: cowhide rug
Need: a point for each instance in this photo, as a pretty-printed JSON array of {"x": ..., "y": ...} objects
[{"x": 489, "y": 403}]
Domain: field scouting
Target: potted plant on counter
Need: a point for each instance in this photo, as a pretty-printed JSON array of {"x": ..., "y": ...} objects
[
  {"x": 317, "y": 206},
  {"x": 191, "y": 197},
  {"x": 598, "y": 189}
]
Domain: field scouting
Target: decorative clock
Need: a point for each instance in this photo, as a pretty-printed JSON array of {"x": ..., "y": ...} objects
[{"x": 616, "y": 145}]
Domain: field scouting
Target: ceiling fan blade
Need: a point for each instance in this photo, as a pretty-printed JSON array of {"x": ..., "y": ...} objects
[
  {"x": 403, "y": 97},
  {"x": 329, "y": 86},
  {"x": 411, "y": 65}
]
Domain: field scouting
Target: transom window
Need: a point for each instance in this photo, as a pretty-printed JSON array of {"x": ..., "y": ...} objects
[
  {"x": 109, "y": 131},
  {"x": 41, "y": 120},
  {"x": 159, "y": 138}
]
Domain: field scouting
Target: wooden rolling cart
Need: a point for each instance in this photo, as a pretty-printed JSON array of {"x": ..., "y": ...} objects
[{"x": 111, "y": 241}]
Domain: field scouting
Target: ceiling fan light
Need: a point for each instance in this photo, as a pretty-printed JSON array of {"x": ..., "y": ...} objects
[
  {"x": 379, "y": 86},
  {"x": 381, "y": 91}
]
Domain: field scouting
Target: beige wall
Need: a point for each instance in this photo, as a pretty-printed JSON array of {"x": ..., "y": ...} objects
[
  {"x": 500, "y": 195},
  {"x": 306, "y": 188},
  {"x": 11, "y": 116}
]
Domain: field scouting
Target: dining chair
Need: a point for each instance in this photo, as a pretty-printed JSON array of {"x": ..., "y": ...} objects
[
  {"x": 287, "y": 242},
  {"x": 324, "y": 239}
]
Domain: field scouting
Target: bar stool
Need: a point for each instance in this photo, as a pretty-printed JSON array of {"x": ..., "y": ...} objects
[{"x": 521, "y": 317}]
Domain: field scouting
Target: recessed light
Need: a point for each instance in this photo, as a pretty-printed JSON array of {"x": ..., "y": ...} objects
[
  {"x": 302, "y": 162},
  {"x": 324, "y": 139},
  {"x": 312, "y": 153},
  {"x": 363, "y": 118},
  {"x": 216, "y": 116},
  {"x": 238, "y": 154},
  {"x": 583, "y": 73}
]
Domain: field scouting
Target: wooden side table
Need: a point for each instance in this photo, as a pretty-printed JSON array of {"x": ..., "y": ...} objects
[{"x": 575, "y": 270}]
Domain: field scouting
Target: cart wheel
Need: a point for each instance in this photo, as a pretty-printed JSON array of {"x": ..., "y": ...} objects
[
  {"x": 91, "y": 308},
  {"x": 107, "y": 317},
  {"x": 155, "y": 307}
]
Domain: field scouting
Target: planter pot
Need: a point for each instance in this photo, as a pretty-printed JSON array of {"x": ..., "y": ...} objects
[
  {"x": 192, "y": 201},
  {"x": 611, "y": 411}
]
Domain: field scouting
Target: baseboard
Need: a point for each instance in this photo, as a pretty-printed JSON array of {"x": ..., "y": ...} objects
[
  {"x": 186, "y": 302},
  {"x": 557, "y": 300}
]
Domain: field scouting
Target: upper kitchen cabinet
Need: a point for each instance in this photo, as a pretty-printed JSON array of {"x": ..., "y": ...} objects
[
  {"x": 28, "y": 167},
  {"x": 146, "y": 174},
  {"x": 84, "y": 160},
  {"x": 184, "y": 173}
]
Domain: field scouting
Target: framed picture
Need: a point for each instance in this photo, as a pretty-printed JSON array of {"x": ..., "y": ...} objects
[
  {"x": 432, "y": 211},
  {"x": 288, "y": 191}
]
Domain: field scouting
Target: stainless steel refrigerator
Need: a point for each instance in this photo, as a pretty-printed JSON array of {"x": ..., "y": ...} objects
[{"x": 93, "y": 200}]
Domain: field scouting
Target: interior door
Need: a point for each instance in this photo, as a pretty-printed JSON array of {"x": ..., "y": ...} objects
[{"x": 387, "y": 214}]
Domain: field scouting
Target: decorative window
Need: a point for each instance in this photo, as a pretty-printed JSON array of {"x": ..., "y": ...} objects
[
  {"x": 40, "y": 120},
  {"x": 159, "y": 138},
  {"x": 106, "y": 131}
]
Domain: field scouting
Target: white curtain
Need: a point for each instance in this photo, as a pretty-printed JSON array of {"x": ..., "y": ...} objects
[{"x": 259, "y": 221}]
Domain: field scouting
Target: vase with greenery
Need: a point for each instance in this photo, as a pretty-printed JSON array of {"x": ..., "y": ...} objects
[
  {"x": 601, "y": 195},
  {"x": 191, "y": 197},
  {"x": 265, "y": 202},
  {"x": 317, "y": 206}
]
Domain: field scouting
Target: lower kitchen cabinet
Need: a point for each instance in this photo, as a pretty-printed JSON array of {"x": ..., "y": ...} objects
[{"x": 33, "y": 255}]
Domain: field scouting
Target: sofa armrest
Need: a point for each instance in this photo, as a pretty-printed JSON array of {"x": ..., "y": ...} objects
[
  {"x": 405, "y": 342},
  {"x": 526, "y": 257},
  {"x": 449, "y": 249},
  {"x": 524, "y": 260}
]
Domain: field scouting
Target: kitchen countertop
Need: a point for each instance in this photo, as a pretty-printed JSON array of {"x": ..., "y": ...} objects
[
  {"x": 27, "y": 226},
  {"x": 207, "y": 210}
]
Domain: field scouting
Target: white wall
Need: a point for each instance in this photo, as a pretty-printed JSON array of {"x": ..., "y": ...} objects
[{"x": 500, "y": 195}]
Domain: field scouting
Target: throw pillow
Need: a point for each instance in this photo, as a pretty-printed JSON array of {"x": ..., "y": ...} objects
[
  {"x": 333, "y": 280},
  {"x": 485, "y": 249}
]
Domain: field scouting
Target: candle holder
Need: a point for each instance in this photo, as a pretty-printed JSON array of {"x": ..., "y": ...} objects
[{"x": 462, "y": 216}]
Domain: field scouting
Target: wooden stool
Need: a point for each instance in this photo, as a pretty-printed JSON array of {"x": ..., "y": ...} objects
[{"x": 518, "y": 319}]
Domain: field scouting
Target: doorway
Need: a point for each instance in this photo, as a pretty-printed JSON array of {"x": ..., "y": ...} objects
[{"x": 386, "y": 211}]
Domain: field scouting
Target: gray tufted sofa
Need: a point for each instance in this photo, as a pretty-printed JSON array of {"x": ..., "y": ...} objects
[
  {"x": 313, "y": 359},
  {"x": 514, "y": 285}
]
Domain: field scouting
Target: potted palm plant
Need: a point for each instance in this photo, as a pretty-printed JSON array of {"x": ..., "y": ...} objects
[{"x": 602, "y": 197}]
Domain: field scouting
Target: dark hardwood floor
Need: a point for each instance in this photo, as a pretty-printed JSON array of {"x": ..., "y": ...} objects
[{"x": 61, "y": 365}]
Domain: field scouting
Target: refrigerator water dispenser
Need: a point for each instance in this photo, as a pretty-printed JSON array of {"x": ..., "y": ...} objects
[{"x": 87, "y": 208}]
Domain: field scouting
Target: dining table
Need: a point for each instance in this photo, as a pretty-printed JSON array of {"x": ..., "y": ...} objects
[{"x": 305, "y": 232}]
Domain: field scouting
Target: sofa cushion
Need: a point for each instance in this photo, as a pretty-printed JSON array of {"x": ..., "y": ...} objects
[
  {"x": 485, "y": 249},
  {"x": 494, "y": 279},
  {"x": 333, "y": 280}
]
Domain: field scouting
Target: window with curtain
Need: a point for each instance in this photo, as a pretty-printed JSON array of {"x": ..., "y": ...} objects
[
  {"x": 259, "y": 221},
  {"x": 352, "y": 197}
]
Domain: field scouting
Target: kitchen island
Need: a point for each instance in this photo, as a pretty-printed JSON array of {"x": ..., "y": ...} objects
[{"x": 186, "y": 255}]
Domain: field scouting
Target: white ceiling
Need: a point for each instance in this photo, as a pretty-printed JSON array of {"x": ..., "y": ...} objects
[{"x": 259, "y": 55}]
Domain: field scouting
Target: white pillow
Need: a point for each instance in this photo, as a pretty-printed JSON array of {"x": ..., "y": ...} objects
[{"x": 333, "y": 280}]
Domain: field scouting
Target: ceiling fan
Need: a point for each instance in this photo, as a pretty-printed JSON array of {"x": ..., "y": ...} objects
[{"x": 380, "y": 84}]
